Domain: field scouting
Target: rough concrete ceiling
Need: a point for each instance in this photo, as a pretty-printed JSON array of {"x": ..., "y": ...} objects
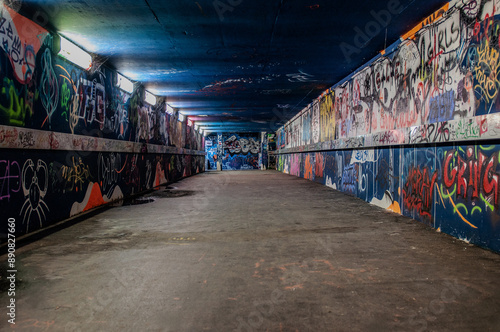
[{"x": 247, "y": 65}]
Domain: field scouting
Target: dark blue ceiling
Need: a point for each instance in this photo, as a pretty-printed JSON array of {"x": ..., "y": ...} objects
[{"x": 242, "y": 65}]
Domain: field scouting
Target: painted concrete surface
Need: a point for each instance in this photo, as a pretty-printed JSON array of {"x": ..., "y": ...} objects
[{"x": 253, "y": 251}]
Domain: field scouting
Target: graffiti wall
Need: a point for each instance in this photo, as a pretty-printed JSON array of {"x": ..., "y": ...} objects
[
  {"x": 70, "y": 135},
  {"x": 211, "y": 151},
  {"x": 454, "y": 188},
  {"x": 40, "y": 187},
  {"x": 447, "y": 70},
  {"x": 238, "y": 151},
  {"x": 241, "y": 152},
  {"x": 416, "y": 130}
]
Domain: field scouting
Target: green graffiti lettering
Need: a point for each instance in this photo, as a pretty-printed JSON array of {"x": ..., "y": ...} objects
[
  {"x": 461, "y": 205},
  {"x": 16, "y": 107},
  {"x": 476, "y": 208},
  {"x": 450, "y": 194},
  {"x": 488, "y": 204},
  {"x": 65, "y": 96}
]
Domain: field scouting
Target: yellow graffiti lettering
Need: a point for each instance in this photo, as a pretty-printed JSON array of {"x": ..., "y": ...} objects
[
  {"x": 17, "y": 108},
  {"x": 486, "y": 71}
]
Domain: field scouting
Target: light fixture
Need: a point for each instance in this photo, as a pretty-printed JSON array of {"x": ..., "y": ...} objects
[
  {"x": 124, "y": 83},
  {"x": 149, "y": 98},
  {"x": 75, "y": 54},
  {"x": 196, "y": 127},
  {"x": 169, "y": 109},
  {"x": 181, "y": 117},
  {"x": 190, "y": 122}
]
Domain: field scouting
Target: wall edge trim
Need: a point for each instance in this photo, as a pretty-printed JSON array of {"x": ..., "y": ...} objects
[
  {"x": 486, "y": 127},
  {"x": 32, "y": 139}
]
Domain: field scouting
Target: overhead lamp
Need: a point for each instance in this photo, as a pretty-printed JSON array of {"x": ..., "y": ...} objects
[
  {"x": 149, "y": 98},
  {"x": 190, "y": 122},
  {"x": 75, "y": 54},
  {"x": 124, "y": 83},
  {"x": 169, "y": 109},
  {"x": 196, "y": 127},
  {"x": 181, "y": 117}
]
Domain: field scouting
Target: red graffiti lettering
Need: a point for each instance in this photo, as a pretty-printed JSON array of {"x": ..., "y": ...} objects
[
  {"x": 418, "y": 190},
  {"x": 472, "y": 176}
]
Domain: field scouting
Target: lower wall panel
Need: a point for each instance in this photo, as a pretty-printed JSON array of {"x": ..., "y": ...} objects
[
  {"x": 453, "y": 188},
  {"x": 240, "y": 162},
  {"x": 39, "y": 188}
]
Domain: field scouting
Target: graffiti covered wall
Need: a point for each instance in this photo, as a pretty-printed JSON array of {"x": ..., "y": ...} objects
[
  {"x": 416, "y": 130},
  {"x": 454, "y": 188},
  {"x": 70, "y": 135},
  {"x": 40, "y": 187},
  {"x": 239, "y": 151}
]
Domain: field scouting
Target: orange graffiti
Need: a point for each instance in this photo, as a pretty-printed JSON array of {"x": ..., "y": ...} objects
[
  {"x": 308, "y": 168},
  {"x": 428, "y": 20},
  {"x": 95, "y": 198}
]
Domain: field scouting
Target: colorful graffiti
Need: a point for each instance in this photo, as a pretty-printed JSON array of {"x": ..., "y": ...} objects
[
  {"x": 10, "y": 178},
  {"x": 327, "y": 117},
  {"x": 237, "y": 151},
  {"x": 454, "y": 189},
  {"x": 67, "y": 120},
  {"x": 41, "y": 90},
  {"x": 418, "y": 190},
  {"x": 21, "y": 41},
  {"x": 242, "y": 145},
  {"x": 447, "y": 70},
  {"x": 31, "y": 187},
  {"x": 431, "y": 100},
  {"x": 470, "y": 175}
]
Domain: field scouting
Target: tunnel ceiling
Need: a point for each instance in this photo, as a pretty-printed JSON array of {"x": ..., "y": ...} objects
[{"x": 237, "y": 64}]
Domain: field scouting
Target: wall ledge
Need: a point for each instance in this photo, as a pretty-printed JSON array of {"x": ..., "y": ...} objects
[
  {"x": 483, "y": 127},
  {"x": 23, "y": 138}
]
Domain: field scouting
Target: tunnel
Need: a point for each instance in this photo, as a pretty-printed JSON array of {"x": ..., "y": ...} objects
[{"x": 235, "y": 165}]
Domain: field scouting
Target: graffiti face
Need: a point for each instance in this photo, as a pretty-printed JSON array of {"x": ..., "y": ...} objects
[{"x": 35, "y": 185}]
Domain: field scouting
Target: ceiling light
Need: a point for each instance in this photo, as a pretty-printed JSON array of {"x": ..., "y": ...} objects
[
  {"x": 169, "y": 109},
  {"x": 75, "y": 54},
  {"x": 124, "y": 83},
  {"x": 181, "y": 117},
  {"x": 149, "y": 98}
]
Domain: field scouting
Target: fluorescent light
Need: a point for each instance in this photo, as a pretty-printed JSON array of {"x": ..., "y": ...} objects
[
  {"x": 196, "y": 127},
  {"x": 149, "y": 98},
  {"x": 169, "y": 109},
  {"x": 75, "y": 54},
  {"x": 124, "y": 83},
  {"x": 190, "y": 122},
  {"x": 181, "y": 117}
]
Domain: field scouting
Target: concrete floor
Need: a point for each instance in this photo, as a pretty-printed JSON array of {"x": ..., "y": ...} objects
[{"x": 253, "y": 251}]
